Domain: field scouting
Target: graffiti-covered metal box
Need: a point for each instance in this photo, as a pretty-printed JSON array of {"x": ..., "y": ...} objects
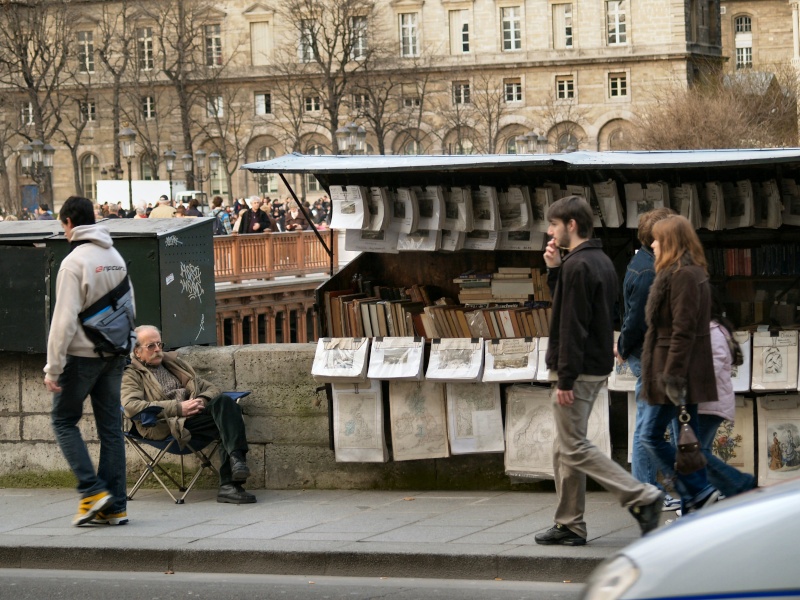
[{"x": 170, "y": 261}]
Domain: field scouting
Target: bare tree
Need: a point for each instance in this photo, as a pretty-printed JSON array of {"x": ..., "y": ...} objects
[
  {"x": 9, "y": 203},
  {"x": 35, "y": 43},
  {"x": 489, "y": 102},
  {"x": 562, "y": 121},
  {"x": 457, "y": 115},
  {"x": 77, "y": 108}
]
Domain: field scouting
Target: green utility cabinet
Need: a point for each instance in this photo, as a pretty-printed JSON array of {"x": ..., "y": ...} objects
[{"x": 170, "y": 261}]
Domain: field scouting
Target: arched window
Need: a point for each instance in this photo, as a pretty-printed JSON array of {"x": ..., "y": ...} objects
[
  {"x": 743, "y": 42},
  {"x": 312, "y": 185},
  {"x": 464, "y": 146},
  {"x": 567, "y": 143},
  {"x": 619, "y": 140},
  {"x": 411, "y": 147},
  {"x": 267, "y": 182},
  {"x": 511, "y": 145},
  {"x": 90, "y": 173}
]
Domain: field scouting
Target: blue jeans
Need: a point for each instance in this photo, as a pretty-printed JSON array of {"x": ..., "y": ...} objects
[
  {"x": 655, "y": 419},
  {"x": 727, "y": 479},
  {"x": 101, "y": 380},
  {"x": 643, "y": 467}
]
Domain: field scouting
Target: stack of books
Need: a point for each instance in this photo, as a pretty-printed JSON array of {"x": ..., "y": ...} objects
[
  {"x": 512, "y": 284},
  {"x": 475, "y": 288}
]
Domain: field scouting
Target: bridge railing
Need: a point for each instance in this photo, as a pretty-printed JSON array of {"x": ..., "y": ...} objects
[{"x": 269, "y": 255}]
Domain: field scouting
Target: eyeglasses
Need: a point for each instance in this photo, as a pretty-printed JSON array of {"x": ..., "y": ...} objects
[{"x": 153, "y": 346}]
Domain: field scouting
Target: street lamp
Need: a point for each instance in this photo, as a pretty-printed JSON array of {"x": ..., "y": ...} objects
[
  {"x": 350, "y": 139},
  {"x": 200, "y": 159},
  {"x": 531, "y": 143},
  {"x": 36, "y": 161},
  {"x": 127, "y": 138},
  {"x": 169, "y": 160}
]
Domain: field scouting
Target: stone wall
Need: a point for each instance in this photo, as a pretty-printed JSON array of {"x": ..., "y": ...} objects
[{"x": 287, "y": 426}]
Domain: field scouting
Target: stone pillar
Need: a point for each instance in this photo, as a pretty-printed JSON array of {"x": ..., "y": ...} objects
[{"x": 796, "y": 30}]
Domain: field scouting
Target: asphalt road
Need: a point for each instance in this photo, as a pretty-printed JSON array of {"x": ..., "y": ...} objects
[{"x": 34, "y": 584}]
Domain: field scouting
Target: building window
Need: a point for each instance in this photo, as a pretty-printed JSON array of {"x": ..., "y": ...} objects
[
  {"x": 461, "y": 92},
  {"x": 565, "y": 88},
  {"x": 259, "y": 43},
  {"x": 408, "y": 35},
  {"x": 263, "y": 102},
  {"x": 305, "y": 51},
  {"x": 411, "y": 148},
  {"x": 562, "y": 26},
  {"x": 312, "y": 104},
  {"x": 617, "y": 85},
  {"x": 218, "y": 181},
  {"x": 144, "y": 48},
  {"x": 512, "y": 89},
  {"x": 215, "y": 107},
  {"x": 86, "y": 52},
  {"x": 213, "y": 45},
  {"x": 312, "y": 185},
  {"x": 148, "y": 107},
  {"x": 90, "y": 173},
  {"x": 511, "y": 145},
  {"x": 410, "y": 97},
  {"x": 26, "y": 114},
  {"x": 145, "y": 168},
  {"x": 361, "y": 102},
  {"x": 459, "y": 32},
  {"x": 358, "y": 29},
  {"x": 463, "y": 146},
  {"x": 512, "y": 28},
  {"x": 88, "y": 111},
  {"x": 743, "y": 41},
  {"x": 616, "y": 27},
  {"x": 267, "y": 182}
]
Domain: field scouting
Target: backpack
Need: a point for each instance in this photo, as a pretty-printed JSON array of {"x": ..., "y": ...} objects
[
  {"x": 109, "y": 322},
  {"x": 219, "y": 226}
]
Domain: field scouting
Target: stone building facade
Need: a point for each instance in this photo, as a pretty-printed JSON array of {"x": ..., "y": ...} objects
[{"x": 574, "y": 74}]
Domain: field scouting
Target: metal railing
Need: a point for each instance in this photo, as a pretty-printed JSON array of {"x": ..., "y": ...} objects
[{"x": 269, "y": 255}]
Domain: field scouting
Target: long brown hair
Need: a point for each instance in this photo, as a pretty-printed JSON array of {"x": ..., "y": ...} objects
[{"x": 678, "y": 244}]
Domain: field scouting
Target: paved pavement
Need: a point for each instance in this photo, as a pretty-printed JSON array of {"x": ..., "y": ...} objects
[{"x": 471, "y": 535}]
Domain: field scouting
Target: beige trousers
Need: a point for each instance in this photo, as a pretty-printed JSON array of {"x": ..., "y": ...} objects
[{"x": 575, "y": 457}]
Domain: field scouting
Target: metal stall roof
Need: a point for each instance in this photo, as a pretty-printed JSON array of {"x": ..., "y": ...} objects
[{"x": 338, "y": 164}]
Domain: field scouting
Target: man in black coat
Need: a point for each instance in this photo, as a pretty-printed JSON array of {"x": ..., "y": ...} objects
[{"x": 255, "y": 220}]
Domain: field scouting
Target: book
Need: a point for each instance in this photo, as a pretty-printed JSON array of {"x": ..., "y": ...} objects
[{"x": 328, "y": 301}]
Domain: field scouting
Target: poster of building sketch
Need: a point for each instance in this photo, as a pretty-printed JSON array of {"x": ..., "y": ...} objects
[
  {"x": 610, "y": 205},
  {"x": 455, "y": 359},
  {"x": 540, "y": 203},
  {"x": 430, "y": 200},
  {"x": 474, "y": 418},
  {"x": 418, "y": 420},
  {"x": 349, "y": 207},
  {"x": 524, "y": 239},
  {"x": 514, "y": 207},
  {"x": 778, "y": 438},
  {"x": 740, "y": 374},
  {"x": 542, "y": 372},
  {"x": 379, "y": 206},
  {"x": 530, "y": 430},
  {"x": 342, "y": 360},
  {"x": 481, "y": 240},
  {"x": 510, "y": 360},
  {"x": 396, "y": 358},
  {"x": 458, "y": 209},
  {"x": 363, "y": 240},
  {"x": 423, "y": 240},
  {"x": 452, "y": 240},
  {"x": 485, "y": 211},
  {"x": 774, "y": 361},
  {"x": 405, "y": 211},
  {"x": 358, "y": 423}
]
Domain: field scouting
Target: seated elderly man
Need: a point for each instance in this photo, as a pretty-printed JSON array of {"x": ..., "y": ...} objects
[{"x": 190, "y": 405}]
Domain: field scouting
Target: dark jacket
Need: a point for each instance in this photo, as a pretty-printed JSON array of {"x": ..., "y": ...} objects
[
  {"x": 290, "y": 222},
  {"x": 581, "y": 330},
  {"x": 261, "y": 217},
  {"x": 677, "y": 345},
  {"x": 639, "y": 277}
]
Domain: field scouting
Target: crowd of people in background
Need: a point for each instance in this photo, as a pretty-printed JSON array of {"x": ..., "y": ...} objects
[{"x": 257, "y": 214}]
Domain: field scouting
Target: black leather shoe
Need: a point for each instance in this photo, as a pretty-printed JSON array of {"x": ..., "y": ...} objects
[
  {"x": 558, "y": 534},
  {"x": 234, "y": 494},
  {"x": 239, "y": 469},
  {"x": 648, "y": 515}
]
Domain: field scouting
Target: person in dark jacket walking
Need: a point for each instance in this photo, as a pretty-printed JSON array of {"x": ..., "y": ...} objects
[{"x": 580, "y": 352}]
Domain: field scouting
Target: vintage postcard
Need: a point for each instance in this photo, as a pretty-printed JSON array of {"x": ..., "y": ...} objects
[
  {"x": 418, "y": 420},
  {"x": 778, "y": 439},
  {"x": 474, "y": 418},
  {"x": 510, "y": 360},
  {"x": 358, "y": 434}
]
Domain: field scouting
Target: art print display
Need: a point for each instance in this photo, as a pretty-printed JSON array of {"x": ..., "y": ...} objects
[
  {"x": 458, "y": 209},
  {"x": 530, "y": 430},
  {"x": 774, "y": 361},
  {"x": 379, "y": 206},
  {"x": 364, "y": 240},
  {"x": 418, "y": 420},
  {"x": 349, "y": 207},
  {"x": 452, "y": 241},
  {"x": 358, "y": 434},
  {"x": 510, "y": 360},
  {"x": 428, "y": 240},
  {"x": 430, "y": 200},
  {"x": 479, "y": 239},
  {"x": 779, "y": 439},
  {"x": 474, "y": 418},
  {"x": 524, "y": 239},
  {"x": 608, "y": 200},
  {"x": 342, "y": 360},
  {"x": 396, "y": 358},
  {"x": 405, "y": 211},
  {"x": 455, "y": 359},
  {"x": 485, "y": 210},
  {"x": 514, "y": 207},
  {"x": 734, "y": 442}
]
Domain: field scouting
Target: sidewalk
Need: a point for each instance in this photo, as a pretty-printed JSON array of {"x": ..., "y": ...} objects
[{"x": 473, "y": 535}]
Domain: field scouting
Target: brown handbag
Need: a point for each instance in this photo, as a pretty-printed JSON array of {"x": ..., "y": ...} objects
[{"x": 689, "y": 456}]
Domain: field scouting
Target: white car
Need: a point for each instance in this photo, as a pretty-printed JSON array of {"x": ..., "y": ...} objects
[{"x": 743, "y": 547}]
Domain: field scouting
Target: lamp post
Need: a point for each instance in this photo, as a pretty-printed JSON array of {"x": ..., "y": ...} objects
[
  {"x": 127, "y": 138},
  {"x": 200, "y": 159},
  {"x": 169, "y": 160},
  {"x": 531, "y": 143},
  {"x": 351, "y": 138},
  {"x": 36, "y": 161}
]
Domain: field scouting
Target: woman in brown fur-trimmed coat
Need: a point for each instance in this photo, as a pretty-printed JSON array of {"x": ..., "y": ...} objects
[{"x": 676, "y": 358}]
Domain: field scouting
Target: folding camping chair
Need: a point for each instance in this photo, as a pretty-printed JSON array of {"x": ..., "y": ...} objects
[{"x": 201, "y": 447}]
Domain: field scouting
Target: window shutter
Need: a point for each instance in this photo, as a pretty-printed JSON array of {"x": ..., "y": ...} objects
[{"x": 259, "y": 42}]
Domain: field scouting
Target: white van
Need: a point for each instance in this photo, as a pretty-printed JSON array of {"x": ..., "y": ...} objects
[{"x": 188, "y": 195}]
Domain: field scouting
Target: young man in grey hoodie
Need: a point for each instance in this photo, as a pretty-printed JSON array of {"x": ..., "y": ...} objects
[{"x": 74, "y": 370}]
